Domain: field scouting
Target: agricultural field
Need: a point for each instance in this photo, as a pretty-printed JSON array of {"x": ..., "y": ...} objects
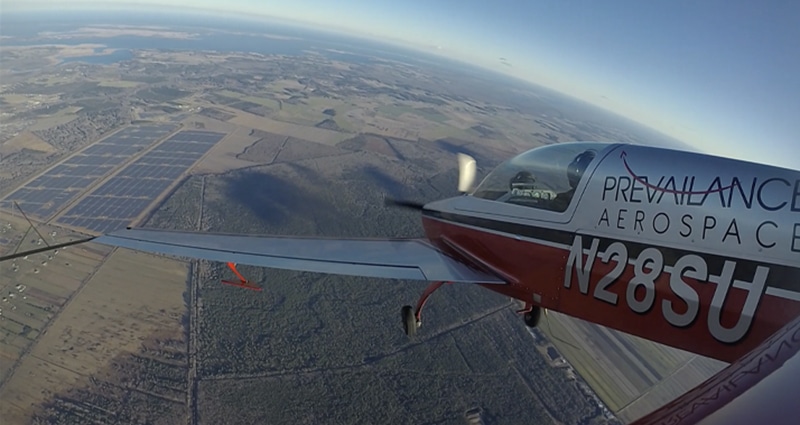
[
  {"x": 319, "y": 135},
  {"x": 37, "y": 287},
  {"x": 266, "y": 101},
  {"x": 631, "y": 375},
  {"x": 58, "y": 117},
  {"x": 398, "y": 110},
  {"x": 117, "y": 83},
  {"x": 25, "y": 140},
  {"x": 129, "y": 299}
]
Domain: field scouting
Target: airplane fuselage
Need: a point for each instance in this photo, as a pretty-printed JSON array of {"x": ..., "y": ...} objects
[{"x": 693, "y": 251}]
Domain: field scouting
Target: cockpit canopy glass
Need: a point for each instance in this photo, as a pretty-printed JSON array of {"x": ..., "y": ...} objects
[{"x": 544, "y": 177}]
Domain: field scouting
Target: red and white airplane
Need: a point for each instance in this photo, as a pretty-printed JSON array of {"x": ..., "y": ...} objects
[{"x": 693, "y": 251}]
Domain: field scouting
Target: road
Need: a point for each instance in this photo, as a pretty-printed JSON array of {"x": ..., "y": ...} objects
[{"x": 191, "y": 396}]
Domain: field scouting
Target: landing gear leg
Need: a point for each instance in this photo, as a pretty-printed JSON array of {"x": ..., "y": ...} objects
[
  {"x": 412, "y": 322},
  {"x": 531, "y": 315}
]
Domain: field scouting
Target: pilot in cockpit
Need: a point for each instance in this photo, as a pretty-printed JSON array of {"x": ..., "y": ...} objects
[
  {"x": 575, "y": 171},
  {"x": 536, "y": 178},
  {"x": 521, "y": 182}
]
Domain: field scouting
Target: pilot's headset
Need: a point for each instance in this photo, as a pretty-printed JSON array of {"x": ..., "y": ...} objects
[
  {"x": 578, "y": 166},
  {"x": 523, "y": 177}
]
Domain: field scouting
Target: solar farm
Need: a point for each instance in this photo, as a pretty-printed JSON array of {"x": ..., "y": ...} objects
[
  {"x": 43, "y": 196},
  {"x": 126, "y": 195},
  {"x": 117, "y": 192}
]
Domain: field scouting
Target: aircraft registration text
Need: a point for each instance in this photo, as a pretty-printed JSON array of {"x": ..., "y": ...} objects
[{"x": 673, "y": 287}]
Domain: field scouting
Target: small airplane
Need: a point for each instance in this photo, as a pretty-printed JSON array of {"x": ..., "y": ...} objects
[{"x": 690, "y": 250}]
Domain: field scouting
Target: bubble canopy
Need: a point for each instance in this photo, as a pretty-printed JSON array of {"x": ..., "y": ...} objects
[{"x": 543, "y": 177}]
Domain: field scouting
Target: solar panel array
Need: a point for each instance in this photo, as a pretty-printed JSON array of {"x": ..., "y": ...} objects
[
  {"x": 126, "y": 195},
  {"x": 53, "y": 190}
]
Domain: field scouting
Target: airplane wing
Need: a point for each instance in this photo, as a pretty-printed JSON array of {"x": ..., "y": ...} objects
[{"x": 413, "y": 259}]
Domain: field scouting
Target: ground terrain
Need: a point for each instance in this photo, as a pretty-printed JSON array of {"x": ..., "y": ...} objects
[{"x": 311, "y": 146}]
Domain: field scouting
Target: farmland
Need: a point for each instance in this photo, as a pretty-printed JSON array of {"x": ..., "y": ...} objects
[
  {"x": 36, "y": 288},
  {"x": 132, "y": 303},
  {"x": 631, "y": 375}
]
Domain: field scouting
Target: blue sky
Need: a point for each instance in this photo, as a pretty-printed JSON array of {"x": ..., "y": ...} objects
[{"x": 723, "y": 76}]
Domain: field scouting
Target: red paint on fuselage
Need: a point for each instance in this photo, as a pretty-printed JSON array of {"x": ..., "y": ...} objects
[
  {"x": 540, "y": 269},
  {"x": 533, "y": 267}
]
